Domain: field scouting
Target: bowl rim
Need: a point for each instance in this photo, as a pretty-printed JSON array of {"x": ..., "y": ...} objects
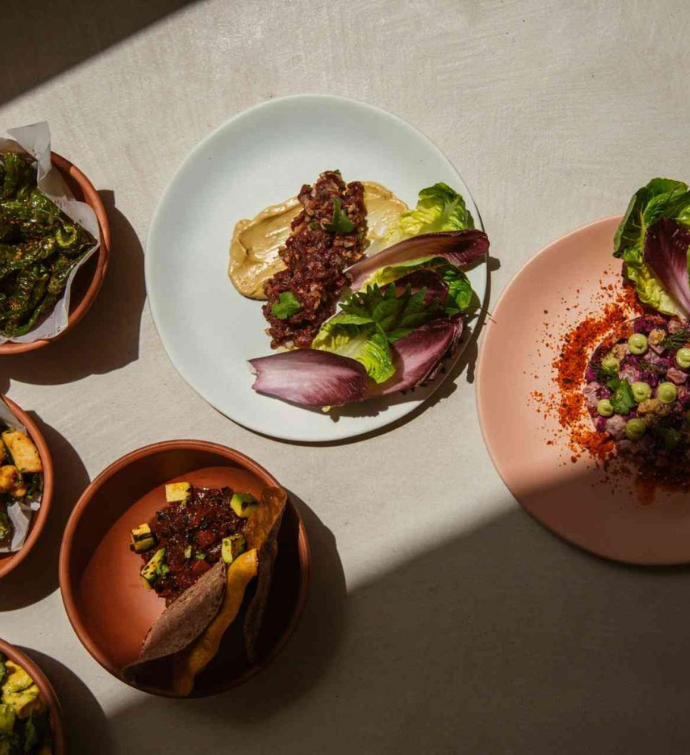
[
  {"x": 8, "y": 564},
  {"x": 46, "y": 689},
  {"x": 93, "y": 199},
  {"x": 69, "y": 590}
]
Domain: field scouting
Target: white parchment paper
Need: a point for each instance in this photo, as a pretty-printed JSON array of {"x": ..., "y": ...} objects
[
  {"x": 19, "y": 513},
  {"x": 35, "y": 141}
]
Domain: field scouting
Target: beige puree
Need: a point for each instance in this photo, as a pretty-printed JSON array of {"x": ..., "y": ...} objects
[{"x": 255, "y": 243}]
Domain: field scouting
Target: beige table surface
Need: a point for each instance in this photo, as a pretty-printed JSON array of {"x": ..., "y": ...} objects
[{"x": 441, "y": 618}]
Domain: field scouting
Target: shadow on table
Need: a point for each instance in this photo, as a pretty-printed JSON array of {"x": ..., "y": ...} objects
[
  {"x": 108, "y": 336},
  {"x": 84, "y": 722},
  {"x": 500, "y": 639},
  {"x": 447, "y": 384},
  {"x": 37, "y": 576},
  {"x": 43, "y": 39}
]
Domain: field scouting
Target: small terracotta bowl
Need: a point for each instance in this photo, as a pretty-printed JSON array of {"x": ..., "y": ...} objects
[
  {"x": 46, "y": 690},
  {"x": 100, "y": 577},
  {"x": 89, "y": 279},
  {"x": 9, "y": 561}
]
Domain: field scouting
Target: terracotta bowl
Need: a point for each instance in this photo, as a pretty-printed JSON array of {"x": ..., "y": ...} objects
[
  {"x": 47, "y": 693},
  {"x": 90, "y": 277},
  {"x": 99, "y": 576},
  {"x": 9, "y": 561}
]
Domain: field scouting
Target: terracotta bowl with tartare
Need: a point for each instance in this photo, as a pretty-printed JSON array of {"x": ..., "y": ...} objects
[
  {"x": 47, "y": 693},
  {"x": 9, "y": 561},
  {"x": 90, "y": 277},
  {"x": 100, "y": 577}
]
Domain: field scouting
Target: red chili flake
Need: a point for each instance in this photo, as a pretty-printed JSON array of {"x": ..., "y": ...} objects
[{"x": 567, "y": 402}]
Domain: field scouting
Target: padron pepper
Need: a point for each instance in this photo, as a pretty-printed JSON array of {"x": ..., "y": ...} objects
[{"x": 39, "y": 247}]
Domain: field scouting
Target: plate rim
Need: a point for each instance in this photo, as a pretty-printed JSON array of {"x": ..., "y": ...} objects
[
  {"x": 481, "y": 401},
  {"x": 335, "y": 436}
]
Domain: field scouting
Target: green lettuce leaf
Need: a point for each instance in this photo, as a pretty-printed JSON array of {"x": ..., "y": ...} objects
[
  {"x": 650, "y": 290},
  {"x": 371, "y": 320},
  {"x": 362, "y": 341},
  {"x": 439, "y": 208},
  {"x": 660, "y": 198}
]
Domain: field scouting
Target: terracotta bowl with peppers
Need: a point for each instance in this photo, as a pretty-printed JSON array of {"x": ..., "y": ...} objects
[{"x": 90, "y": 277}]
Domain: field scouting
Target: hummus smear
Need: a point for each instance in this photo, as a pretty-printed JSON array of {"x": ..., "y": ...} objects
[{"x": 255, "y": 244}]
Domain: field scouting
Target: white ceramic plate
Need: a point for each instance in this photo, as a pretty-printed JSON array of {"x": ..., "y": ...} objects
[{"x": 260, "y": 157}]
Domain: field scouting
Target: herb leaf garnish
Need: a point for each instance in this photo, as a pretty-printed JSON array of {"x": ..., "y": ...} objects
[
  {"x": 605, "y": 373},
  {"x": 396, "y": 314},
  {"x": 676, "y": 340},
  {"x": 622, "y": 399},
  {"x": 340, "y": 223},
  {"x": 286, "y": 306}
]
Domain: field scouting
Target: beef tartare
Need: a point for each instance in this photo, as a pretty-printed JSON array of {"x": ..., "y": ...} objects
[
  {"x": 327, "y": 236},
  {"x": 637, "y": 392},
  {"x": 198, "y": 528}
]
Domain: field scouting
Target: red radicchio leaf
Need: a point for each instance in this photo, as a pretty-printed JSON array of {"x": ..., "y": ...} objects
[
  {"x": 458, "y": 247},
  {"x": 666, "y": 252},
  {"x": 417, "y": 356},
  {"x": 310, "y": 377}
]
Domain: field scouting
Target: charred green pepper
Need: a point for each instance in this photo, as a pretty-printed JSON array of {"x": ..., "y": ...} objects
[
  {"x": 5, "y": 525},
  {"x": 39, "y": 248}
]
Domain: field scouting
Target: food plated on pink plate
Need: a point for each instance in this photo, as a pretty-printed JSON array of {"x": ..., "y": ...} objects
[{"x": 589, "y": 426}]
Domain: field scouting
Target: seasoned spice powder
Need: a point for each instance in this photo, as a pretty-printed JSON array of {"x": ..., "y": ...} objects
[{"x": 567, "y": 402}]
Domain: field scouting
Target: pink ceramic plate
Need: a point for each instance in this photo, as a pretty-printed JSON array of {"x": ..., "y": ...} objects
[{"x": 557, "y": 289}]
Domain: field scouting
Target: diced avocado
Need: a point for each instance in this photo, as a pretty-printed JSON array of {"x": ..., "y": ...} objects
[
  {"x": 23, "y": 451},
  {"x": 142, "y": 538},
  {"x": 243, "y": 504},
  {"x": 188, "y": 552},
  {"x": 7, "y": 716},
  {"x": 178, "y": 492},
  {"x": 151, "y": 571},
  {"x": 232, "y": 547},
  {"x": 143, "y": 545}
]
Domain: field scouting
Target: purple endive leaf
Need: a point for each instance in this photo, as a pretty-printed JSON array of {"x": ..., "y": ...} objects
[
  {"x": 458, "y": 247},
  {"x": 417, "y": 356},
  {"x": 666, "y": 252},
  {"x": 436, "y": 287},
  {"x": 310, "y": 377}
]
